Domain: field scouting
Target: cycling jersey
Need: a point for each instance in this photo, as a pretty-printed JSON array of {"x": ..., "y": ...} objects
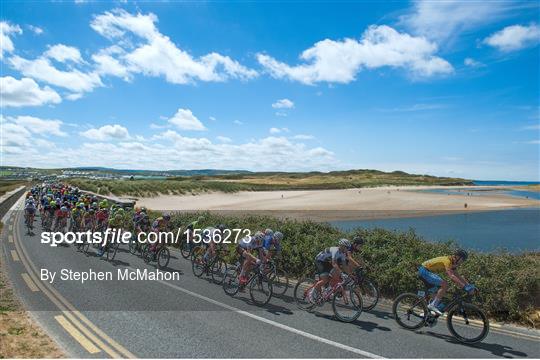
[
  {"x": 331, "y": 254},
  {"x": 269, "y": 241},
  {"x": 439, "y": 264}
]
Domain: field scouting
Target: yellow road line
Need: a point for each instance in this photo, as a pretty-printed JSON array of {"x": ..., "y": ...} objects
[
  {"x": 29, "y": 282},
  {"x": 69, "y": 310},
  {"x": 81, "y": 339},
  {"x": 15, "y": 256}
]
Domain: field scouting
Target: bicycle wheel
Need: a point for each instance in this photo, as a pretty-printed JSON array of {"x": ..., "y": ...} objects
[
  {"x": 370, "y": 294},
  {"x": 260, "y": 289},
  {"x": 347, "y": 303},
  {"x": 467, "y": 323},
  {"x": 197, "y": 263},
  {"x": 280, "y": 282},
  {"x": 163, "y": 257},
  {"x": 301, "y": 291},
  {"x": 410, "y": 311},
  {"x": 134, "y": 247},
  {"x": 111, "y": 251},
  {"x": 231, "y": 282},
  {"x": 147, "y": 255},
  {"x": 218, "y": 271},
  {"x": 185, "y": 250}
]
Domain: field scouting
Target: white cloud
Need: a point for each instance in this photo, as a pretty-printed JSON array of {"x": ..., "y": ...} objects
[
  {"x": 108, "y": 64},
  {"x": 185, "y": 120},
  {"x": 224, "y": 139},
  {"x": 472, "y": 63},
  {"x": 283, "y": 104},
  {"x": 275, "y": 130},
  {"x": 35, "y": 29},
  {"x": 237, "y": 122},
  {"x": 514, "y": 37},
  {"x": 533, "y": 142},
  {"x": 443, "y": 20},
  {"x": 303, "y": 137},
  {"x": 340, "y": 61},
  {"x": 6, "y": 29},
  {"x": 63, "y": 53},
  {"x": 531, "y": 127},
  {"x": 107, "y": 132},
  {"x": 156, "y": 55},
  {"x": 39, "y": 126},
  {"x": 25, "y": 92},
  {"x": 212, "y": 118},
  {"x": 41, "y": 69}
]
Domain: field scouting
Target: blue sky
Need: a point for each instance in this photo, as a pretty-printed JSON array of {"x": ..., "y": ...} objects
[{"x": 444, "y": 88}]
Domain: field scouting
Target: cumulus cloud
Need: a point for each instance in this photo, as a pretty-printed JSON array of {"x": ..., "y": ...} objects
[
  {"x": 154, "y": 54},
  {"x": 108, "y": 64},
  {"x": 224, "y": 139},
  {"x": 304, "y": 137},
  {"x": 283, "y": 104},
  {"x": 35, "y": 29},
  {"x": 25, "y": 92},
  {"x": 63, "y": 53},
  {"x": 275, "y": 130},
  {"x": 24, "y": 136},
  {"x": 185, "y": 120},
  {"x": 107, "y": 132},
  {"x": 470, "y": 62},
  {"x": 6, "y": 29},
  {"x": 42, "y": 69},
  {"x": 39, "y": 126},
  {"x": 340, "y": 61},
  {"x": 514, "y": 37}
]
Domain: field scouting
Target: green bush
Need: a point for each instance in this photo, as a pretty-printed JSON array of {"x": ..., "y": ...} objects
[{"x": 509, "y": 283}]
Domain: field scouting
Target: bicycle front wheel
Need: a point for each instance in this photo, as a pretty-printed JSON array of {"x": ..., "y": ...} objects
[
  {"x": 467, "y": 323},
  {"x": 231, "y": 282},
  {"x": 370, "y": 294},
  {"x": 163, "y": 257},
  {"x": 219, "y": 271},
  {"x": 197, "y": 263},
  {"x": 301, "y": 293},
  {"x": 260, "y": 290},
  {"x": 185, "y": 250},
  {"x": 280, "y": 282},
  {"x": 347, "y": 304},
  {"x": 410, "y": 311}
]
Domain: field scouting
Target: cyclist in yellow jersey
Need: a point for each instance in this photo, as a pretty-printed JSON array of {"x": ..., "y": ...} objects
[{"x": 448, "y": 265}]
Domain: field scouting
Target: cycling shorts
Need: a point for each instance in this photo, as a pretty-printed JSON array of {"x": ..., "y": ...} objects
[
  {"x": 324, "y": 268},
  {"x": 429, "y": 276}
]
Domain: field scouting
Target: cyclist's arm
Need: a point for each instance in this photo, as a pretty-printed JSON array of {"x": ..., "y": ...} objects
[{"x": 456, "y": 278}]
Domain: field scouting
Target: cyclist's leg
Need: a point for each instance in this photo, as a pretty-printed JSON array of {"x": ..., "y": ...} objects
[
  {"x": 323, "y": 269},
  {"x": 436, "y": 281}
]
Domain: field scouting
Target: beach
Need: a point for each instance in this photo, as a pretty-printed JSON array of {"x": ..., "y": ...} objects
[{"x": 364, "y": 203}]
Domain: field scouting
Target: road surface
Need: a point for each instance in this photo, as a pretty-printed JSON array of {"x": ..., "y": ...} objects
[{"x": 194, "y": 318}]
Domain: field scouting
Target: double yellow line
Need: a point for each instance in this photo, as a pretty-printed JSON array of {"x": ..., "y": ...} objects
[{"x": 86, "y": 333}]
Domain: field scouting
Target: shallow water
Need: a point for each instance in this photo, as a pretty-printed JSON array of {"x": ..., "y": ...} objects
[{"x": 515, "y": 230}]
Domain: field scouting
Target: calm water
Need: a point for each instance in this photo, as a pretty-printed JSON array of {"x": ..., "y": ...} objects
[
  {"x": 504, "y": 183},
  {"x": 482, "y": 192},
  {"x": 516, "y": 230}
]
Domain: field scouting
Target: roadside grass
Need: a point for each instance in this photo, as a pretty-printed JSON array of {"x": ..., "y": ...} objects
[
  {"x": 8, "y": 185},
  {"x": 20, "y": 337},
  {"x": 509, "y": 284},
  {"x": 259, "y": 182}
]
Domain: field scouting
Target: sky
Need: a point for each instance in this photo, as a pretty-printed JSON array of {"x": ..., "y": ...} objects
[{"x": 447, "y": 88}]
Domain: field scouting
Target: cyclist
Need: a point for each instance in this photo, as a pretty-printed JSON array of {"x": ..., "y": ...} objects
[
  {"x": 271, "y": 243},
  {"x": 30, "y": 211},
  {"x": 247, "y": 260},
  {"x": 351, "y": 262},
  {"x": 160, "y": 224},
  {"x": 328, "y": 264},
  {"x": 447, "y": 264}
]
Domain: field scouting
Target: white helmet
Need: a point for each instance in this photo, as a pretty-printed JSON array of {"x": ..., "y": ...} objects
[
  {"x": 258, "y": 236},
  {"x": 268, "y": 232},
  {"x": 278, "y": 236},
  {"x": 344, "y": 242}
]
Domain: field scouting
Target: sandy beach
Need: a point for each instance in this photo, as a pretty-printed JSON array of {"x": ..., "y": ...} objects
[{"x": 340, "y": 204}]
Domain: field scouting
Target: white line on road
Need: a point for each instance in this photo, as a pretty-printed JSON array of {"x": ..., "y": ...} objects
[{"x": 276, "y": 324}]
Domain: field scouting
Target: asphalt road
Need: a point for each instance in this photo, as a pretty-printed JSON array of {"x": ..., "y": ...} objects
[{"x": 194, "y": 318}]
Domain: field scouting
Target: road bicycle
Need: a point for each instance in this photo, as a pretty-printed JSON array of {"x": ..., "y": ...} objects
[
  {"x": 368, "y": 287},
  {"x": 466, "y": 321},
  {"x": 29, "y": 222},
  {"x": 215, "y": 266},
  {"x": 259, "y": 284},
  {"x": 279, "y": 278},
  {"x": 159, "y": 253},
  {"x": 346, "y": 297}
]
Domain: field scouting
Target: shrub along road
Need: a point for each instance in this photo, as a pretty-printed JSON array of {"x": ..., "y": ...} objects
[{"x": 194, "y": 318}]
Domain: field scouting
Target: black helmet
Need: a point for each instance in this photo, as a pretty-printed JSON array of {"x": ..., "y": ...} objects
[
  {"x": 358, "y": 240},
  {"x": 460, "y": 253},
  {"x": 166, "y": 217}
]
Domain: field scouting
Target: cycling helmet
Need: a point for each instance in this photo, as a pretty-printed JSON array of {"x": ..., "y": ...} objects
[
  {"x": 200, "y": 218},
  {"x": 460, "y": 253},
  {"x": 120, "y": 210},
  {"x": 91, "y": 211},
  {"x": 278, "y": 236},
  {"x": 344, "y": 242},
  {"x": 64, "y": 209},
  {"x": 358, "y": 240},
  {"x": 268, "y": 232},
  {"x": 143, "y": 209},
  {"x": 258, "y": 236},
  {"x": 221, "y": 227},
  {"x": 167, "y": 217},
  {"x": 53, "y": 203}
]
